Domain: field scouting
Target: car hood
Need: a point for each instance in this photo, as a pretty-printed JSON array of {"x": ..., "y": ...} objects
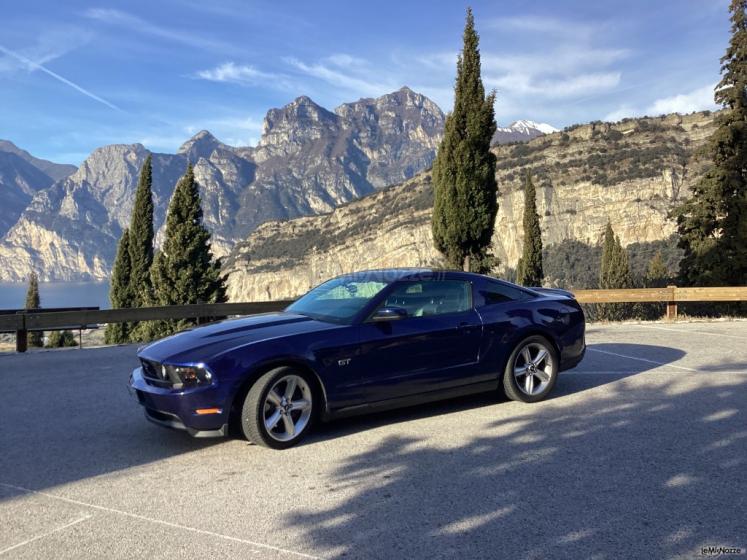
[{"x": 201, "y": 344}]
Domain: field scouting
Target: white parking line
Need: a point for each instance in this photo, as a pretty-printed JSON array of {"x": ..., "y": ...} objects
[
  {"x": 641, "y": 359},
  {"x": 657, "y": 371},
  {"x": 161, "y": 522},
  {"x": 36, "y": 538},
  {"x": 687, "y": 331}
]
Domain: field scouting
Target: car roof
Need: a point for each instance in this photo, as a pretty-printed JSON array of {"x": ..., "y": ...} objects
[{"x": 409, "y": 273}]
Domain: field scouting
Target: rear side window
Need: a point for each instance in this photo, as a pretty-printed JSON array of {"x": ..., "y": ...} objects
[
  {"x": 432, "y": 297},
  {"x": 491, "y": 293}
]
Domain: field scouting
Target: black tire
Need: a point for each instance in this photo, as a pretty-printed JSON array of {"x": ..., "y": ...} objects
[
  {"x": 255, "y": 408},
  {"x": 511, "y": 386}
]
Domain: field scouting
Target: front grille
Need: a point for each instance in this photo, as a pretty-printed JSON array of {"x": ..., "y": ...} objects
[
  {"x": 154, "y": 374},
  {"x": 151, "y": 369}
]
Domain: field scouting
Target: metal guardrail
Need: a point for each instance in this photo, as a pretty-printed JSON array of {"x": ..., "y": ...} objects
[
  {"x": 23, "y": 321},
  {"x": 50, "y": 319}
]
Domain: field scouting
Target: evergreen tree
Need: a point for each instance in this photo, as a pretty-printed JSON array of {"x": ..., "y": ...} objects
[
  {"x": 530, "y": 266},
  {"x": 184, "y": 270},
  {"x": 35, "y": 338},
  {"x": 62, "y": 339},
  {"x": 657, "y": 274},
  {"x": 141, "y": 237},
  {"x": 120, "y": 291},
  {"x": 614, "y": 274},
  {"x": 713, "y": 223},
  {"x": 466, "y": 193}
]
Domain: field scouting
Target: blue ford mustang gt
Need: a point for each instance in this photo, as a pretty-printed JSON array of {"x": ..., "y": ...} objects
[{"x": 357, "y": 343}]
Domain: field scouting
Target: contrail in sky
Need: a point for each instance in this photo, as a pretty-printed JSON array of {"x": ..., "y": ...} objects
[{"x": 37, "y": 66}]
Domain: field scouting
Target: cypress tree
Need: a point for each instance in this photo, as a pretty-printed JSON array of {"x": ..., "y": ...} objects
[
  {"x": 530, "y": 266},
  {"x": 35, "y": 338},
  {"x": 657, "y": 274},
  {"x": 120, "y": 291},
  {"x": 465, "y": 201},
  {"x": 141, "y": 237},
  {"x": 184, "y": 270},
  {"x": 713, "y": 223},
  {"x": 614, "y": 274},
  {"x": 608, "y": 251}
]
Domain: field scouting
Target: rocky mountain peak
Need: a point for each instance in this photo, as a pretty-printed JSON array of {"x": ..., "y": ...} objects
[
  {"x": 55, "y": 171},
  {"x": 521, "y": 131},
  {"x": 299, "y": 121},
  {"x": 309, "y": 161},
  {"x": 528, "y": 125},
  {"x": 202, "y": 144}
]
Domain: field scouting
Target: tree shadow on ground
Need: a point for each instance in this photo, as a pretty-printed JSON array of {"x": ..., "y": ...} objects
[{"x": 633, "y": 466}]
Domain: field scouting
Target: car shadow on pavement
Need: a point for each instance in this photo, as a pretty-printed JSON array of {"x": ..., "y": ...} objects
[
  {"x": 602, "y": 364},
  {"x": 627, "y": 467}
]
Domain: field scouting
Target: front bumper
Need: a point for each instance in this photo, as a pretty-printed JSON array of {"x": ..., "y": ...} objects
[{"x": 177, "y": 409}]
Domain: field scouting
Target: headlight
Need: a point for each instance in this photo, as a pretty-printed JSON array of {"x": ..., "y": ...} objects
[{"x": 189, "y": 376}]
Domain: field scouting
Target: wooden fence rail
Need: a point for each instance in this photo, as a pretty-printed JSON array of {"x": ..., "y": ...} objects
[
  {"x": 23, "y": 321},
  {"x": 671, "y": 295}
]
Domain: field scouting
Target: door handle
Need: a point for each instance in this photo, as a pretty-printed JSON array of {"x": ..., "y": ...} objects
[{"x": 464, "y": 326}]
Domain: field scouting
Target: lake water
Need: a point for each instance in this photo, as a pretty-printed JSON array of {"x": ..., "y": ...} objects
[{"x": 57, "y": 294}]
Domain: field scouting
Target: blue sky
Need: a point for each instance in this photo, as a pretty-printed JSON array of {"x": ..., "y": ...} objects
[{"x": 75, "y": 75}]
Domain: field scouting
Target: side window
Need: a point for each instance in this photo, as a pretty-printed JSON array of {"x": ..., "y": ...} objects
[
  {"x": 491, "y": 293},
  {"x": 431, "y": 297}
]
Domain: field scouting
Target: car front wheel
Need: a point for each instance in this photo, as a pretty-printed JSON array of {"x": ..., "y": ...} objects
[
  {"x": 279, "y": 409},
  {"x": 531, "y": 371}
]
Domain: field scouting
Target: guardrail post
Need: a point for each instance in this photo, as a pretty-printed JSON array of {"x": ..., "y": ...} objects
[
  {"x": 22, "y": 336},
  {"x": 672, "y": 304}
]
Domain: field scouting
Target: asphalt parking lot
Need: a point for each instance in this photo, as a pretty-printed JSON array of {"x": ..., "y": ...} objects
[{"x": 641, "y": 453}]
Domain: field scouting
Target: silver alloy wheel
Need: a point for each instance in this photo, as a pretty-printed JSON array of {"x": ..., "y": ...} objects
[
  {"x": 533, "y": 368},
  {"x": 287, "y": 408}
]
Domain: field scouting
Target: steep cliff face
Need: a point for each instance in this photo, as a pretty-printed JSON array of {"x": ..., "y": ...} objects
[
  {"x": 309, "y": 160},
  {"x": 21, "y": 176},
  {"x": 398, "y": 134},
  {"x": 19, "y": 181},
  {"x": 631, "y": 173},
  {"x": 70, "y": 230}
]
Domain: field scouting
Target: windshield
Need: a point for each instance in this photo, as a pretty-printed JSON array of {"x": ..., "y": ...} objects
[{"x": 338, "y": 300}]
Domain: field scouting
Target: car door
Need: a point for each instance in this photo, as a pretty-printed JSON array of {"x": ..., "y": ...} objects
[
  {"x": 504, "y": 310},
  {"x": 434, "y": 347}
]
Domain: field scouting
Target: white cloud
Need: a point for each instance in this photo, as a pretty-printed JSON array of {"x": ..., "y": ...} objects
[
  {"x": 245, "y": 75},
  {"x": 699, "y": 99},
  {"x": 554, "y": 88},
  {"x": 344, "y": 60},
  {"x": 350, "y": 78},
  {"x": 133, "y": 23},
  {"x": 231, "y": 72},
  {"x": 553, "y": 26}
]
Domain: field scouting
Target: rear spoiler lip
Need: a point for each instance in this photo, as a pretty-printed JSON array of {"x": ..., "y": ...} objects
[{"x": 553, "y": 292}]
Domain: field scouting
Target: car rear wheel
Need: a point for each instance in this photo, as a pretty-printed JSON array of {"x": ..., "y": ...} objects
[
  {"x": 531, "y": 371},
  {"x": 279, "y": 409}
]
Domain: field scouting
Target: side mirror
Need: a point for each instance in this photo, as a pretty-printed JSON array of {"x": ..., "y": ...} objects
[{"x": 390, "y": 313}]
